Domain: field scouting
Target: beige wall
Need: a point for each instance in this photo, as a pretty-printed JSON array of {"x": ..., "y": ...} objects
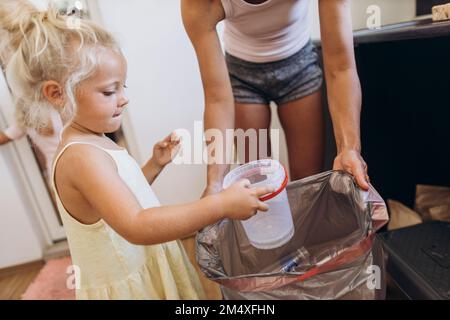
[{"x": 392, "y": 11}]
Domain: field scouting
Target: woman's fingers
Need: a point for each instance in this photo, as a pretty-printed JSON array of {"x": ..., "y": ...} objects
[
  {"x": 366, "y": 170},
  {"x": 352, "y": 162},
  {"x": 361, "y": 177}
]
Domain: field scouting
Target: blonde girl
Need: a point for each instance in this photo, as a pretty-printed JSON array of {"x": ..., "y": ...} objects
[{"x": 123, "y": 243}]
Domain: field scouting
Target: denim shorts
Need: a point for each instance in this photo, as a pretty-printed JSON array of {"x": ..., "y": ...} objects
[{"x": 280, "y": 81}]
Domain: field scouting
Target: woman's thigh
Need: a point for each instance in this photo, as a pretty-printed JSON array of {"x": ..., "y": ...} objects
[
  {"x": 303, "y": 124},
  {"x": 251, "y": 119}
]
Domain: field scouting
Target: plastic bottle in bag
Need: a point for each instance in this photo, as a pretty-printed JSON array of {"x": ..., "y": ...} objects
[{"x": 297, "y": 258}]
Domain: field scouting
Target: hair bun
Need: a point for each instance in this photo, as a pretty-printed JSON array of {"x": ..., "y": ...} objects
[
  {"x": 40, "y": 15},
  {"x": 42, "y": 46}
]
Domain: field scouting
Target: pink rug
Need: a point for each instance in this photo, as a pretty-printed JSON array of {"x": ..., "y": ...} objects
[{"x": 50, "y": 283}]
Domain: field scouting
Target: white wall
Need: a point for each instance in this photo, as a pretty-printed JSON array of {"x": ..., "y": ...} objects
[{"x": 164, "y": 82}]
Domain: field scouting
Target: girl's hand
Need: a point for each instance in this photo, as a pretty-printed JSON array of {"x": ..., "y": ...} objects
[
  {"x": 241, "y": 203},
  {"x": 165, "y": 151}
]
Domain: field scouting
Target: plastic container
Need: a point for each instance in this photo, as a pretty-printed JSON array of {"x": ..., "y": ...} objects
[{"x": 271, "y": 229}]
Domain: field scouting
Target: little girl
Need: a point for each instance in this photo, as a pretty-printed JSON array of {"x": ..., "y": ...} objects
[{"x": 122, "y": 242}]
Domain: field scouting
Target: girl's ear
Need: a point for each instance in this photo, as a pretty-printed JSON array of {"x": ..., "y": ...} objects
[{"x": 53, "y": 92}]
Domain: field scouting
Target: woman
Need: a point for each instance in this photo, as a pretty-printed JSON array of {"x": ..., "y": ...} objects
[
  {"x": 45, "y": 140},
  {"x": 269, "y": 57}
]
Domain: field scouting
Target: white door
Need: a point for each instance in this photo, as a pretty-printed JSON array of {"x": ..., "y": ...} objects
[{"x": 29, "y": 173}]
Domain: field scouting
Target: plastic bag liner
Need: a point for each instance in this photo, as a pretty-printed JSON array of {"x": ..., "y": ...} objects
[{"x": 333, "y": 254}]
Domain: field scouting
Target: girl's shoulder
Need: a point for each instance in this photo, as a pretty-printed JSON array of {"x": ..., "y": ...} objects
[
  {"x": 79, "y": 156},
  {"x": 103, "y": 143},
  {"x": 78, "y": 169}
]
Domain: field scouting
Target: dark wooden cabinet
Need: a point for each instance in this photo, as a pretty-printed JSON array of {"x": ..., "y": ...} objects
[
  {"x": 423, "y": 7},
  {"x": 405, "y": 122}
]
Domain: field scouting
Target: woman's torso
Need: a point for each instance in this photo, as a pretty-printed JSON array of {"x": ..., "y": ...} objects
[
  {"x": 270, "y": 31},
  {"x": 47, "y": 140}
]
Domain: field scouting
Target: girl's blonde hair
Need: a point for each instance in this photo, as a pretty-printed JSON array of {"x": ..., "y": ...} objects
[{"x": 37, "y": 46}]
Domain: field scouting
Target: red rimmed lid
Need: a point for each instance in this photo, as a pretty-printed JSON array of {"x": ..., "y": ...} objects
[
  {"x": 279, "y": 190},
  {"x": 274, "y": 172}
]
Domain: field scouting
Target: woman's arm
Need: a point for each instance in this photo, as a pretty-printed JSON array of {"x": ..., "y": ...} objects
[
  {"x": 13, "y": 132},
  {"x": 4, "y": 139},
  {"x": 93, "y": 174},
  {"x": 344, "y": 90},
  {"x": 200, "y": 18}
]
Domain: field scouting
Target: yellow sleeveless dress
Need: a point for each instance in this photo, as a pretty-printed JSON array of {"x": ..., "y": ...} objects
[{"x": 107, "y": 266}]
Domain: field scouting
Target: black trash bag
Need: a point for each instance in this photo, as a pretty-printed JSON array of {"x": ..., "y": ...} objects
[{"x": 333, "y": 254}]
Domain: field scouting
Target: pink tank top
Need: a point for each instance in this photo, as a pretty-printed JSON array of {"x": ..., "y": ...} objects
[{"x": 270, "y": 31}]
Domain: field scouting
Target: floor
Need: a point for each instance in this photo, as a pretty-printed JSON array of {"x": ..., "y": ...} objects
[{"x": 15, "y": 281}]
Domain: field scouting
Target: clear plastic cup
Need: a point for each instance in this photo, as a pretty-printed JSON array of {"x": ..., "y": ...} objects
[{"x": 271, "y": 229}]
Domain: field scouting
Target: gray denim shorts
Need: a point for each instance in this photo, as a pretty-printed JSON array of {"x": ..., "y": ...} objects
[{"x": 280, "y": 81}]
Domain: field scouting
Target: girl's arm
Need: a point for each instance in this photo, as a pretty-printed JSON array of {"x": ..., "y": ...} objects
[
  {"x": 200, "y": 18},
  {"x": 93, "y": 174},
  {"x": 344, "y": 90},
  {"x": 163, "y": 153},
  {"x": 151, "y": 170}
]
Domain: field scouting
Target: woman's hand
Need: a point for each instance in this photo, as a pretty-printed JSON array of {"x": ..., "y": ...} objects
[
  {"x": 165, "y": 151},
  {"x": 241, "y": 203},
  {"x": 352, "y": 162}
]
